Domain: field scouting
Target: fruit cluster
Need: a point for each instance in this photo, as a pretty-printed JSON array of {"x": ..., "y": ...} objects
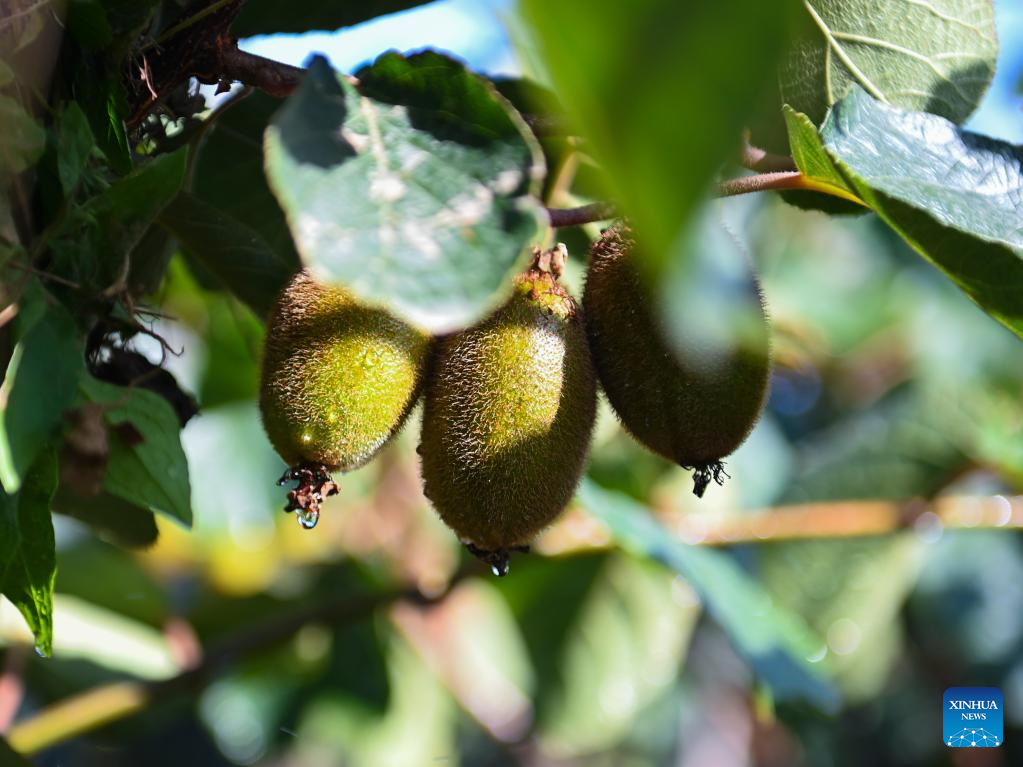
[{"x": 509, "y": 404}]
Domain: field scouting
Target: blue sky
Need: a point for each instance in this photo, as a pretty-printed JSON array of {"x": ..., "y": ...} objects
[{"x": 475, "y": 31}]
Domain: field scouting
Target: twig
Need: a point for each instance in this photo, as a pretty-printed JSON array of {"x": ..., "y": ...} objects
[
  {"x": 585, "y": 214},
  {"x": 762, "y": 182},
  {"x": 271, "y": 76},
  {"x": 852, "y": 519},
  {"x": 94, "y": 708},
  {"x": 780, "y": 182}
]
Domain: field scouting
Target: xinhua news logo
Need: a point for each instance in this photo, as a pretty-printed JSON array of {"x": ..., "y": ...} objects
[{"x": 973, "y": 717}]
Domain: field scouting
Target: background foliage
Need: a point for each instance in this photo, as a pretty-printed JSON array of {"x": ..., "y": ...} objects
[{"x": 812, "y": 611}]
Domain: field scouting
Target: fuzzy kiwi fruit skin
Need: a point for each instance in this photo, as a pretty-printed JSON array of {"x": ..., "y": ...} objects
[
  {"x": 690, "y": 413},
  {"x": 339, "y": 378},
  {"x": 509, "y": 407}
]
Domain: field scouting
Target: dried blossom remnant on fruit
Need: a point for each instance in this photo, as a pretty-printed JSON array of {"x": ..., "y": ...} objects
[
  {"x": 540, "y": 282},
  {"x": 314, "y": 486},
  {"x": 498, "y": 560},
  {"x": 705, "y": 473}
]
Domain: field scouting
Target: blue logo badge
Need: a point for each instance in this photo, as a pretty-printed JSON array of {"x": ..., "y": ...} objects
[{"x": 973, "y": 717}]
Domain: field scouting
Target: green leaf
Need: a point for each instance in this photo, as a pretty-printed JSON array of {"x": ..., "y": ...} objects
[
  {"x": 547, "y": 598},
  {"x": 40, "y": 384},
  {"x": 102, "y": 97},
  {"x": 662, "y": 89},
  {"x": 147, "y": 465},
  {"x": 951, "y": 194},
  {"x": 22, "y": 139},
  {"x": 234, "y": 253},
  {"x": 776, "y": 643},
  {"x": 267, "y": 17},
  {"x": 851, "y": 592},
  {"x": 906, "y": 446},
  {"x": 74, "y": 145},
  {"x": 229, "y": 174},
  {"x": 631, "y": 634},
  {"x": 416, "y": 193},
  {"x": 126, "y": 524},
  {"x": 233, "y": 339},
  {"x": 125, "y": 210},
  {"x": 149, "y": 258},
  {"x": 808, "y": 152},
  {"x": 28, "y": 569},
  {"x": 936, "y": 56},
  {"x": 836, "y": 198}
]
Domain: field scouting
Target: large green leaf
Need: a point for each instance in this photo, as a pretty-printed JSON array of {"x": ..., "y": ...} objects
[
  {"x": 267, "y": 17},
  {"x": 40, "y": 384},
  {"x": 415, "y": 192},
  {"x": 777, "y": 643},
  {"x": 228, "y": 172},
  {"x": 233, "y": 252},
  {"x": 147, "y": 466},
  {"x": 934, "y": 56},
  {"x": 28, "y": 559},
  {"x": 662, "y": 89},
  {"x": 951, "y": 194}
]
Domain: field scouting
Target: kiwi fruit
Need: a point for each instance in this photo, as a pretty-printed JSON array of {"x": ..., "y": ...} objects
[
  {"x": 674, "y": 403},
  {"x": 509, "y": 406},
  {"x": 338, "y": 381}
]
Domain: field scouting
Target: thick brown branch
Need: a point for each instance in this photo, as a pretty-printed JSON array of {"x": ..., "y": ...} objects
[{"x": 275, "y": 78}]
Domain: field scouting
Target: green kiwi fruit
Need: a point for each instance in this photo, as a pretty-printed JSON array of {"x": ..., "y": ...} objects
[
  {"x": 509, "y": 406},
  {"x": 667, "y": 397},
  {"x": 338, "y": 380}
]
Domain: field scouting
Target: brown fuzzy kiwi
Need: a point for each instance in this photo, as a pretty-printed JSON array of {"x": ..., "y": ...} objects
[
  {"x": 508, "y": 416},
  {"x": 689, "y": 412},
  {"x": 338, "y": 381}
]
